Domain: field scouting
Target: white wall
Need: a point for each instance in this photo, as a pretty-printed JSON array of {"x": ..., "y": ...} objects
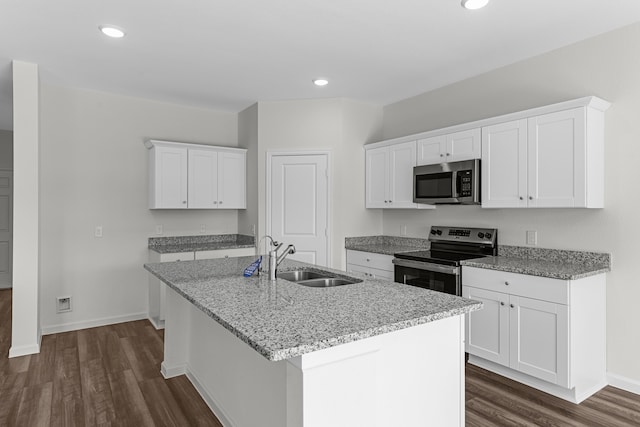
[
  {"x": 94, "y": 172},
  {"x": 6, "y": 149},
  {"x": 25, "y": 334},
  {"x": 248, "y": 138},
  {"x": 340, "y": 126},
  {"x": 607, "y": 66}
]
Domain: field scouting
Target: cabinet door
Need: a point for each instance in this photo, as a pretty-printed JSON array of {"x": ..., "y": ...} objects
[
  {"x": 431, "y": 151},
  {"x": 557, "y": 159},
  {"x": 203, "y": 179},
  {"x": 539, "y": 339},
  {"x": 377, "y": 177},
  {"x": 402, "y": 160},
  {"x": 232, "y": 180},
  {"x": 465, "y": 145},
  {"x": 504, "y": 165},
  {"x": 170, "y": 178},
  {"x": 487, "y": 332}
]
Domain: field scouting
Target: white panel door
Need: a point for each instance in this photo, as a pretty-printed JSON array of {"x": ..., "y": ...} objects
[
  {"x": 232, "y": 179},
  {"x": 171, "y": 182},
  {"x": 463, "y": 145},
  {"x": 6, "y": 228},
  {"x": 504, "y": 165},
  {"x": 299, "y": 205},
  {"x": 557, "y": 156},
  {"x": 203, "y": 179},
  {"x": 539, "y": 339},
  {"x": 377, "y": 178},
  {"x": 402, "y": 160},
  {"x": 487, "y": 332},
  {"x": 431, "y": 151}
]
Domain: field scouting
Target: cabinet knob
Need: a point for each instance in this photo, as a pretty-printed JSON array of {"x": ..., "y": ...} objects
[
  {"x": 501, "y": 302},
  {"x": 184, "y": 202},
  {"x": 506, "y": 283},
  {"x": 215, "y": 202},
  {"x": 390, "y": 201},
  {"x": 530, "y": 197},
  {"x": 368, "y": 260},
  {"x": 448, "y": 154},
  {"x": 441, "y": 155},
  {"x": 521, "y": 198},
  {"x": 511, "y": 305},
  {"x": 220, "y": 202}
]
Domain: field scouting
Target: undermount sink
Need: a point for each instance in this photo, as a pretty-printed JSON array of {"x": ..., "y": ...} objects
[
  {"x": 298, "y": 275},
  {"x": 315, "y": 279},
  {"x": 326, "y": 282}
]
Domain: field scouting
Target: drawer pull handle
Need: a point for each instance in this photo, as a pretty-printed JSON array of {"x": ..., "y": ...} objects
[{"x": 506, "y": 283}]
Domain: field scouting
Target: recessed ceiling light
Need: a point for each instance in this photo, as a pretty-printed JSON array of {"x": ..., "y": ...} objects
[
  {"x": 111, "y": 31},
  {"x": 320, "y": 82},
  {"x": 474, "y": 4}
]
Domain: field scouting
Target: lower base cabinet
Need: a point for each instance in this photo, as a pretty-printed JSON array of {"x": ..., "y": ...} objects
[
  {"x": 546, "y": 333},
  {"x": 372, "y": 265},
  {"x": 157, "y": 290}
]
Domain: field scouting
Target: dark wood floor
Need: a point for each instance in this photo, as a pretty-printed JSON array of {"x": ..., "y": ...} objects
[{"x": 110, "y": 376}]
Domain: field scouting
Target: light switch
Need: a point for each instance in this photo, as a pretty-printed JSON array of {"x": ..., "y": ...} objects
[
  {"x": 532, "y": 237},
  {"x": 98, "y": 231}
]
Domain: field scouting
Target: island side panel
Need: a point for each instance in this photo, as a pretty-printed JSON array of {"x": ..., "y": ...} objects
[
  {"x": 411, "y": 377},
  {"x": 176, "y": 338}
]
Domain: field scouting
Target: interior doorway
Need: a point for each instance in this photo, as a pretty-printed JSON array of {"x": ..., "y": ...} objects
[
  {"x": 297, "y": 200},
  {"x": 6, "y": 228}
]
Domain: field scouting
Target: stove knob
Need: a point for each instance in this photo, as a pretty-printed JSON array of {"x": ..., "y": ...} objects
[
  {"x": 433, "y": 231},
  {"x": 488, "y": 235},
  {"x": 439, "y": 232},
  {"x": 481, "y": 235}
]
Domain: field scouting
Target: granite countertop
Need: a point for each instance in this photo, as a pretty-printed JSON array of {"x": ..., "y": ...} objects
[
  {"x": 386, "y": 245},
  {"x": 214, "y": 242},
  {"x": 281, "y": 319},
  {"x": 553, "y": 263}
]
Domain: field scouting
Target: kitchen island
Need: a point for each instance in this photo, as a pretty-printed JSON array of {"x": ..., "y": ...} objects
[{"x": 276, "y": 353}]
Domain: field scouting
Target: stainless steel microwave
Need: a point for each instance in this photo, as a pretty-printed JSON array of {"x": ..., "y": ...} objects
[{"x": 447, "y": 183}]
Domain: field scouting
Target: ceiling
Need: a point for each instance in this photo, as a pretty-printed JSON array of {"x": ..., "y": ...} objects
[{"x": 228, "y": 54}]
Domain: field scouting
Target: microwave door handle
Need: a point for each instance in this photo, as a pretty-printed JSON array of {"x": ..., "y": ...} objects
[{"x": 455, "y": 185}]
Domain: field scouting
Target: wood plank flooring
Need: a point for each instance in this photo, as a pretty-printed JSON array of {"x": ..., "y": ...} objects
[
  {"x": 110, "y": 376},
  {"x": 107, "y": 376}
]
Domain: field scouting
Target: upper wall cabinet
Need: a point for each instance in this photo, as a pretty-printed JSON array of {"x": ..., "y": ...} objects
[
  {"x": 389, "y": 176},
  {"x": 552, "y": 160},
  {"x": 191, "y": 176},
  {"x": 452, "y": 147}
]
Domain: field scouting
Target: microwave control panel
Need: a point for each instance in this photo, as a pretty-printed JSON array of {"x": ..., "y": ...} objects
[{"x": 465, "y": 183}]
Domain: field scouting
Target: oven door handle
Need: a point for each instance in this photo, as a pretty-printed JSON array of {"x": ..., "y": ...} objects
[{"x": 427, "y": 266}]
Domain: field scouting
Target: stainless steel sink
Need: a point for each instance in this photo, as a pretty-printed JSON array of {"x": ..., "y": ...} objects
[
  {"x": 298, "y": 275},
  {"x": 326, "y": 282},
  {"x": 315, "y": 279}
]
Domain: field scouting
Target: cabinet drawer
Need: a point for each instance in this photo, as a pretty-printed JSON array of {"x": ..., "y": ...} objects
[
  {"x": 225, "y": 253},
  {"x": 541, "y": 288},
  {"x": 368, "y": 259},
  {"x": 179, "y": 256}
]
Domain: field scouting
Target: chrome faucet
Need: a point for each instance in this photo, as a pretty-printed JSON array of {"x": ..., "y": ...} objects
[{"x": 275, "y": 259}]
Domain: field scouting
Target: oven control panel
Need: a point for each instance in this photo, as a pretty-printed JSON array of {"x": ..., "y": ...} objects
[{"x": 458, "y": 234}]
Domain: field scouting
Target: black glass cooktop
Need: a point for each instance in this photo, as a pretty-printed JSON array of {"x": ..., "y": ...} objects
[{"x": 438, "y": 257}]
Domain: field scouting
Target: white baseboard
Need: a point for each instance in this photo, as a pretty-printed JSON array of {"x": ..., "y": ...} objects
[
  {"x": 623, "y": 383},
  {"x": 157, "y": 323},
  {"x": 210, "y": 401},
  {"x": 75, "y": 326},
  {"x": 169, "y": 371},
  {"x": 25, "y": 350}
]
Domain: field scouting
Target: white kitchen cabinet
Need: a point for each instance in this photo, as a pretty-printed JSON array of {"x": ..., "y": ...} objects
[
  {"x": 157, "y": 289},
  {"x": 372, "y": 265},
  {"x": 551, "y": 160},
  {"x": 191, "y": 176},
  {"x": 168, "y": 177},
  {"x": 225, "y": 253},
  {"x": 546, "y": 333},
  {"x": 452, "y": 147},
  {"x": 389, "y": 176}
]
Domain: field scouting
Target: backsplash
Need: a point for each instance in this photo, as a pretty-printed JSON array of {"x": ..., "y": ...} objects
[
  {"x": 239, "y": 239},
  {"x": 557, "y": 255}
]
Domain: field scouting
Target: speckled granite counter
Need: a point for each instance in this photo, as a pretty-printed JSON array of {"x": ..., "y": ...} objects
[
  {"x": 386, "y": 245},
  {"x": 552, "y": 263},
  {"x": 281, "y": 319},
  {"x": 169, "y": 245}
]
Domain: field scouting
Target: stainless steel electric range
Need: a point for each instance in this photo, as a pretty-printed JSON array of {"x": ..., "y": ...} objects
[{"x": 439, "y": 268}]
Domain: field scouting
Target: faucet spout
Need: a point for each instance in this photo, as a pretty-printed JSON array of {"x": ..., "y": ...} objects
[
  {"x": 290, "y": 250},
  {"x": 275, "y": 259}
]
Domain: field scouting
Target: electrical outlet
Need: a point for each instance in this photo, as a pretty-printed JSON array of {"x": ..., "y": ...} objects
[
  {"x": 532, "y": 237},
  {"x": 253, "y": 229},
  {"x": 63, "y": 304},
  {"x": 159, "y": 229},
  {"x": 403, "y": 230},
  {"x": 203, "y": 228},
  {"x": 98, "y": 231}
]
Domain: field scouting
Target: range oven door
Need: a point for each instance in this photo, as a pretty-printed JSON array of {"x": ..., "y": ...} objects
[{"x": 427, "y": 275}]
